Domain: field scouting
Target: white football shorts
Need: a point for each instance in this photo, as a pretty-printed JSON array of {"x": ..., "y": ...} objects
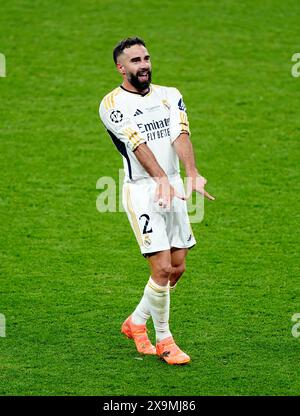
[{"x": 155, "y": 228}]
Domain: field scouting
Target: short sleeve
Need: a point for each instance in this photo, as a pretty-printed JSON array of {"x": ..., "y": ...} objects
[
  {"x": 178, "y": 116},
  {"x": 121, "y": 126}
]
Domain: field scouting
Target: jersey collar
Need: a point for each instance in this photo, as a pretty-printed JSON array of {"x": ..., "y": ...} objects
[{"x": 138, "y": 93}]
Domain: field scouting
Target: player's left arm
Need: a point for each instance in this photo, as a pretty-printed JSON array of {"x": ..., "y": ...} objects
[
  {"x": 184, "y": 149},
  {"x": 180, "y": 138}
]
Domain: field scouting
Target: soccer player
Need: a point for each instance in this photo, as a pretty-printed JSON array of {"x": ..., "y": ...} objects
[{"x": 149, "y": 126}]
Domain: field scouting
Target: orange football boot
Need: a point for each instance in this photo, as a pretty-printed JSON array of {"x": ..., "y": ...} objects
[
  {"x": 170, "y": 352},
  {"x": 139, "y": 335}
]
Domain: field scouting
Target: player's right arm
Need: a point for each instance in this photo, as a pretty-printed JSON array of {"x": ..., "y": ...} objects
[{"x": 119, "y": 124}]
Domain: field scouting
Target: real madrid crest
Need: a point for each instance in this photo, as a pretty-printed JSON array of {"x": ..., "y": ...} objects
[
  {"x": 166, "y": 104},
  {"x": 147, "y": 241}
]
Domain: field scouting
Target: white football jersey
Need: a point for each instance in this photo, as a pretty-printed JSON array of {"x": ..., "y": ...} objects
[{"x": 156, "y": 118}]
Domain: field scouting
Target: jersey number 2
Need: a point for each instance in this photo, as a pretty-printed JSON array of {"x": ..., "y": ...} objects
[{"x": 145, "y": 230}]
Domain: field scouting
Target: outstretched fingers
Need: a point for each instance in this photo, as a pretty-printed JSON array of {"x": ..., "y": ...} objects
[{"x": 208, "y": 196}]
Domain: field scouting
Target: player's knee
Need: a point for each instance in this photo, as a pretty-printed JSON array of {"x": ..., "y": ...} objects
[
  {"x": 165, "y": 270},
  {"x": 180, "y": 269}
]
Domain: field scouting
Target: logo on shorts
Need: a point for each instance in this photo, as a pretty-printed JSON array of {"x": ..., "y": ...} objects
[
  {"x": 116, "y": 116},
  {"x": 190, "y": 237},
  {"x": 147, "y": 241}
]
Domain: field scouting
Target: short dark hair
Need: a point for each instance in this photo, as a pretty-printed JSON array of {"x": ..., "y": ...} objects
[{"x": 126, "y": 43}]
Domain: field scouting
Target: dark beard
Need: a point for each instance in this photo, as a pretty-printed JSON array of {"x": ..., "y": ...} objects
[{"x": 140, "y": 86}]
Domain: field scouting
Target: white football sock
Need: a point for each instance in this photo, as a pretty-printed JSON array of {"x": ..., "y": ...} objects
[
  {"x": 158, "y": 298},
  {"x": 142, "y": 312}
]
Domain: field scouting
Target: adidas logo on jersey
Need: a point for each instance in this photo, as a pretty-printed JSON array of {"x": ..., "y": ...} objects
[{"x": 138, "y": 112}]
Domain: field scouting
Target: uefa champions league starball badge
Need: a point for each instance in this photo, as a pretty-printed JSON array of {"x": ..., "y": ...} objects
[{"x": 116, "y": 116}]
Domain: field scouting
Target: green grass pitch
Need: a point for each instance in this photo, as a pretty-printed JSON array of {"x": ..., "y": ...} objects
[{"x": 70, "y": 275}]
